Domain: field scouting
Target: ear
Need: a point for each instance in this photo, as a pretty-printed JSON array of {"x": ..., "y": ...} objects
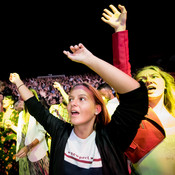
[{"x": 98, "y": 109}]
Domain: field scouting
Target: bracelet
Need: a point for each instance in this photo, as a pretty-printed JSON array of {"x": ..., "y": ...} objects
[
  {"x": 28, "y": 147},
  {"x": 20, "y": 86}
]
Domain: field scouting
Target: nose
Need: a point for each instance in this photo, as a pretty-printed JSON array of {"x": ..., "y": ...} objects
[
  {"x": 74, "y": 102},
  {"x": 149, "y": 81}
]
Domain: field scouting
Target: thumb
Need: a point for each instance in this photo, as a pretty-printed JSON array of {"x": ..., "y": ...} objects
[{"x": 122, "y": 8}]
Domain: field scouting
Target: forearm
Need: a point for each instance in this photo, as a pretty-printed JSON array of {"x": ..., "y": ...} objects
[
  {"x": 63, "y": 93},
  {"x": 121, "y": 82},
  {"x": 121, "y": 51},
  {"x": 23, "y": 90},
  {"x": 33, "y": 144}
]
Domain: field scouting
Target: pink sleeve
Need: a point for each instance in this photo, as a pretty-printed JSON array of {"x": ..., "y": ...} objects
[{"x": 121, "y": 51}]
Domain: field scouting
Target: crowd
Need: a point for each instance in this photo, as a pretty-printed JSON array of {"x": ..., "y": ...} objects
[
  {"x": 130, "y": 133},
  {"x": 44, "y": 85}
]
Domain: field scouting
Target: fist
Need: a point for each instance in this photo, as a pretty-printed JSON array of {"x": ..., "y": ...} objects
[
  {"x": 56, "y": 85},
  {"x": 14, "y": 77}
]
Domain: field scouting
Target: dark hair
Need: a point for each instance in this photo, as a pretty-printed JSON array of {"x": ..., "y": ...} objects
[
  {"x": 7, "y": 92},
  {"x": 104, "y": 86}
]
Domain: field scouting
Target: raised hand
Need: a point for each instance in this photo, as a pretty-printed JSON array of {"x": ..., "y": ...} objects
[
  {"x": 79, "y": 54},
  {"x": 115, "y": 19},
  {"x": 23, "y": 90},
  {"x": 57, "y": 85},
  {"x": 14, "y": 77}
]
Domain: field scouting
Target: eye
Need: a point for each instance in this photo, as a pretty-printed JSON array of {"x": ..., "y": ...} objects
[
  {"x": 82, "y": 99},
  {"x": 155, "y": 76},
  {"x": 70, "y": 99},
  {"x": 142, "y": 79}
]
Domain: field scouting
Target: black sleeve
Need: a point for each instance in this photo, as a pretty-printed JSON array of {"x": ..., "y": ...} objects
[
  {"x": 43, "y": 116},
  {"x": 127, "y": 117}
]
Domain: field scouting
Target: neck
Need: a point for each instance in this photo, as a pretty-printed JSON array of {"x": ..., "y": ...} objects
[
  {"x": 157, "y": 103},
  {"x": 82, "y": 131}
]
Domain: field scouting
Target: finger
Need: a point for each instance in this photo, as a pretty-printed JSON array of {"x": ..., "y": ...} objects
[
  {"x": 113, "y": 8},
  {"x": 80, "y": 45},
  {"x": 72, "y": 48},
  {"x": 76, "y": 47},
  {"x": 66, "y": 53},
  {"x": 122, "y": 8},
  {"x": 106, "y": 16},
  {"x": 10, "y": 78},
  {"x": 104, "y": 20},
  {"x": 18, "y": 154},
  {"x": 109, "y": 13},
  {"x": 22, "y": 155}
]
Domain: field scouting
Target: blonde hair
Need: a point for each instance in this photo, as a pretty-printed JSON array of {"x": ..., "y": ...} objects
[{"x": 169, "y": 94}]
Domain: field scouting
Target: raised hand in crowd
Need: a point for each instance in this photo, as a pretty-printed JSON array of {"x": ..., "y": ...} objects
[{"x": 115, "y": 19}]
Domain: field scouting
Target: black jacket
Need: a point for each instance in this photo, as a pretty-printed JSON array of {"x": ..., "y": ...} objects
[{"x": 112, "y": 140}]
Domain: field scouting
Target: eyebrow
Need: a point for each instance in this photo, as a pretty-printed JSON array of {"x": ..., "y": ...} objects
[
  {"x": 150, "y": 75},
  {"x": 78, "y": 95}
]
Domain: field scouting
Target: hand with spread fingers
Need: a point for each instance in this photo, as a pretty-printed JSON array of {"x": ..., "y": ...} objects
[
  {"x": 79, "y": 54},
  {"x": 115, "y": 19}
]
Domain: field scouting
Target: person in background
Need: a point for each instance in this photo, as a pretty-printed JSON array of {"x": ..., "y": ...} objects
[
  {"x": 31, "y": 145},
  {"x": 9, "y": 116},
  {"x": 60, "y": 110},
  {"x": 1, "y": 99},
  {"x": 111, "y": 101},
  {"x": 161, "y": 89},
  {"x": 94, "y": 144},
  {"x": 2, "y": 86},
  {"x": 19, "y": 105}
]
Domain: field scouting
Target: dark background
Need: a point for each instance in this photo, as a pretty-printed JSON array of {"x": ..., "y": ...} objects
[{"x": 34, "y": 35}]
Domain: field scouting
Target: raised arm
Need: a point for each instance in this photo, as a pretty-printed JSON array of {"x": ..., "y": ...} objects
[
  {"x": 62, "y": 91},
  {"x": 117, "y": 20},
  {"x": 121, "y": 82},
  {"x": 23, "y": 90}
]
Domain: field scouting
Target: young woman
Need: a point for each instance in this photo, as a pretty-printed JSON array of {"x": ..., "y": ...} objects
[
  {"x": 94, "y": 144},
  {"x": 161, "y": 94}
]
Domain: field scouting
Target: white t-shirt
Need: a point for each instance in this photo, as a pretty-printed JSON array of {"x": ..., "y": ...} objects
[
  {"x": 82, "y": 156},
  {"x": 112, "y": 105}
]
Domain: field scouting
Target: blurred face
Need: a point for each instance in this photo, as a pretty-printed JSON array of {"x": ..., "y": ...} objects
[
  {"x": 81, "y": 107},
  {"x": 7, "y": 102},
  {"x": 105, "y": 94},
  {"x": 20, "y": 106},
  {"x": 154, "y": 82},
  {"x": 1, "y": 97}
]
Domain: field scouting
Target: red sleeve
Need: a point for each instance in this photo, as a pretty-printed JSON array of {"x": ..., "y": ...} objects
[{"x": 121, "y": 51}]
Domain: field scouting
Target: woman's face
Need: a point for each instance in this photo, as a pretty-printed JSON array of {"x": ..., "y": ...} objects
[
  {"x": 154, "y": 82},
  {"x": 7, "y": 102},
  {"x": 81, "y": 107}
]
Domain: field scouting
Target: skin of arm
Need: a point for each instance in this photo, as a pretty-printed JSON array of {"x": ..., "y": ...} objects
[
  {"x": 111, "y": 74},
  {"x": 23, "y": 151},
  {"x": 62, "y": 91}
]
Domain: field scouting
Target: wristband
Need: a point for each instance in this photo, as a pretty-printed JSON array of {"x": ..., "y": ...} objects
[
  {"x": 20, "y": 86},
  {"x": 28, "y": 147}
]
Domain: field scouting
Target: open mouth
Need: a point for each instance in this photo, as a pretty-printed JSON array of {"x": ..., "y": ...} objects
[
  {"x": 151, "y": 88},
  {"x": 75, "y": 113}
]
